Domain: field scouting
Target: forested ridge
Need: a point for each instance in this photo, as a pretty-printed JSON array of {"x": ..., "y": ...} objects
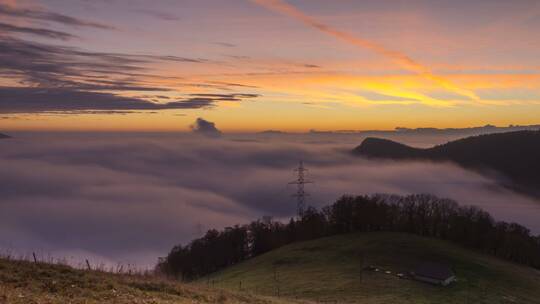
[
  {"x": 511, "y": 155},
  {"x": 420, "y": 214}
]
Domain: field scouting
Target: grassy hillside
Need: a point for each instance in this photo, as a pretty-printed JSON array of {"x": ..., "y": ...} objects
[
  {"x": 329, "y": 269},
  {"x": 27, "y": 283}
]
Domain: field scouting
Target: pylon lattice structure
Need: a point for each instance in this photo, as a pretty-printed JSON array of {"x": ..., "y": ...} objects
[{"x": 301, "y": 193}]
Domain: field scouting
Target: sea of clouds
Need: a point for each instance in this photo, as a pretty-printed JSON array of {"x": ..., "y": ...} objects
[{"x": 129, "y": 197}]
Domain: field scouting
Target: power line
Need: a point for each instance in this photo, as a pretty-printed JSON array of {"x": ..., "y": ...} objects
[{"x": 300, "y": 194}]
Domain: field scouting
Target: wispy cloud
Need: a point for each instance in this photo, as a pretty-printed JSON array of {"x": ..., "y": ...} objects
[
  {"x": 375, "y": 96},
  {"x": 158, "y": 14},
  {"x": 4, "y": 27},
  {"x": 53, "y": 65},
  {"x": 399, "y": 58},
  {"x": 66, "y": 79},
  {"x": 43, "y": 15},
  {"x": 225, "y": 44},
  {"x": 510, "y": 94}
]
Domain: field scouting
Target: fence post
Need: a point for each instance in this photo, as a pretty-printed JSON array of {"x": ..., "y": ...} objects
[
  {"x": 361, "y": 266},
  {"x": 35, "y": 258},
  {"x": 88, "y": 265}
]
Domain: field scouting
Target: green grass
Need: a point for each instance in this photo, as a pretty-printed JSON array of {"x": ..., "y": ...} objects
[
  {"x": 329, "y": 269},
  {"x": 28, "y": 283},
  {"x": 325, "y": 270}
]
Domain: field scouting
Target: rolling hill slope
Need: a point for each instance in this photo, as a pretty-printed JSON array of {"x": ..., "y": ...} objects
[
  {"x": 329, "y": 269},
  {"x": 25, "y": 282}
]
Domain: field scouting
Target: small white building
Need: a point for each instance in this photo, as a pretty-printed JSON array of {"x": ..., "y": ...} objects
[{"x": 434, "y": 273}]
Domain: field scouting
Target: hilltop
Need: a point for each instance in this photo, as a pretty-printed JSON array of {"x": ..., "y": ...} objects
[
  {"x": 330, "y": 269},
  {"x": 23, "y": 282},
  {"x": 4, "y": 136},
  {"x": 512, "y": 156}
]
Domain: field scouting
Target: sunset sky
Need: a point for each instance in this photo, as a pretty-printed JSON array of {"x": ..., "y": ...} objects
[{"x": 253, "y": 65}]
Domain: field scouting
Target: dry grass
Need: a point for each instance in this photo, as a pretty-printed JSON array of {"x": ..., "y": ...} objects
[{"x": 27, "y": 283}]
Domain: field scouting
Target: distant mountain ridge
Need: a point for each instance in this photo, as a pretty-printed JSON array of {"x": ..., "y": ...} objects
[
  {"x": 515, "y": 155},
  {"x": 471, "y": 131},
  {"x": 4, "y": 136}
]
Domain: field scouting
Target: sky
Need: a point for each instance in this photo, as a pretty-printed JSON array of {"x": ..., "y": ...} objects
[{"x": 253, "y": 65}]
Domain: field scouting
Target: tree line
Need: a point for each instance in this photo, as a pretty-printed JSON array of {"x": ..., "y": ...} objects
[{"x": 420, "y": 214}]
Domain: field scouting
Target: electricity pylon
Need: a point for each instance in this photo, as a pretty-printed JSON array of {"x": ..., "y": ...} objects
[{"x": 300, "y": 194}]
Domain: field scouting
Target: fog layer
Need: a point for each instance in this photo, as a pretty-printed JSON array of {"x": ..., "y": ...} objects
[{"x": 130, "y": 197}]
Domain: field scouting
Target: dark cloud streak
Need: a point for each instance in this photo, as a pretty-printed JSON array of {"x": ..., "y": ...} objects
[
  {"x": 158, "y": 14},
  {"x": 35, "y": 31},
  {"x": 226, "y": 97},
  {"x": 225, "y": 44},
  {"x": 49, "y": 16},
  {"x": 36, "y": 100}
]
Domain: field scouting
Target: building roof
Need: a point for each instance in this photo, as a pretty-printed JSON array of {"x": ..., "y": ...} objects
[{"x": 434, "y": 271}]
